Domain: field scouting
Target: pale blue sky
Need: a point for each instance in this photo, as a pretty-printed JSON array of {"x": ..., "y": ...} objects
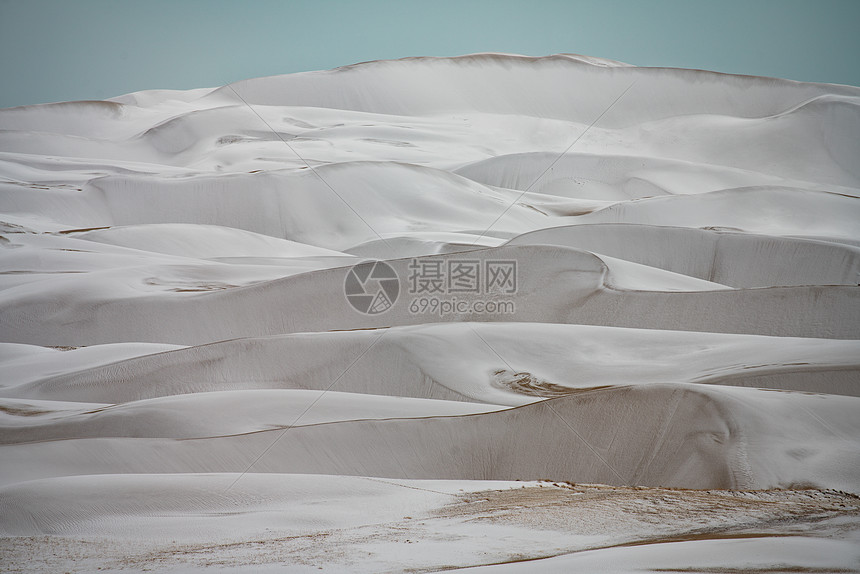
[{"x": 53, "y": 50}]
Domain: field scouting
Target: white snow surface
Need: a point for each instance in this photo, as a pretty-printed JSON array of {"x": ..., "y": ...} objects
[{"x": 669, "y": 380}]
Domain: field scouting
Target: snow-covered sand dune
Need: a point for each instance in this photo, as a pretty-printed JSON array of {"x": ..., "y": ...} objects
[
  {"x": 184, "y": 382},
  {"x": 452, "y": 361}
]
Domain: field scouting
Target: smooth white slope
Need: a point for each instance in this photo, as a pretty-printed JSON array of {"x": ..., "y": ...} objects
[
  {"x": 765, "y": 210},
  {"x": 551, "y": 86},
  {"x": 25, "y": 363},
  {"x": 204, "y": 242},
  {"x": 222, "y": 413}
]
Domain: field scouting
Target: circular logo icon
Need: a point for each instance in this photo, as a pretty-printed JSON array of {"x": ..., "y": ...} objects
[{"x": 372, "y": 287}]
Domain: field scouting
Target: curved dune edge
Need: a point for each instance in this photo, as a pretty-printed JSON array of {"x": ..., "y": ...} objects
[
  {"x": 730, "y": 258},
  {"x": 200, "y": 415},
  {"x": 621, "y": 177},
  {"x": 461, "y": 362},
  {"x": 555, "y": 284},
  {"x": 654, "y": 435}
]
